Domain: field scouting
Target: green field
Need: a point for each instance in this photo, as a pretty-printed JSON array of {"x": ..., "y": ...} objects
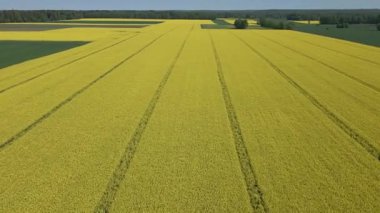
[
  {"x": 218, "y": 24},
  {"x": 228, "y": 24},
  {"x": 14, "y": 52},
  {"x": 361, "y": 33},
  {"x": 51, "y": 26},
  {"x": 111, "y": 22}
]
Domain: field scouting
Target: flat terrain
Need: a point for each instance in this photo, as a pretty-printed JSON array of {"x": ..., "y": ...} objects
[
  {"x": 14, "y": 52},
  {"x": 175, "y": 118},
  {"x": 51, "y": 26},
  {"x": 89, "y": 21},
  {"x": 76, "y": 23},
  {"x": 361, "y": 33},
  {"x": 228, "y": 23},
  {"x": 308, "y": 22}
]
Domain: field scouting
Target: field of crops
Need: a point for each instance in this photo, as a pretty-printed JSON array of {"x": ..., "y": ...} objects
[
  {"x": 175, "y": 118},
  {"x": 308, "y": 22},
  {"x": 14, "y": 52},
  {"x": 362, "y": 33}
]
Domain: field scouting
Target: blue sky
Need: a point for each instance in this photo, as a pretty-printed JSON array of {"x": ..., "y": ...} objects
[{"x": 188, "y": 4}]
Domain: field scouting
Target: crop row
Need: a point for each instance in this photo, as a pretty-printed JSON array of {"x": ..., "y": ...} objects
[
  {"x": 333, "y": 117},
  {"x": 299, "y": 154},
  {"x": 218, "y": 120},
  {"x": 22, "y": 106},
  {"x": 78, "y": 146},
  {"x": 354, "y": 104},
  {"x": 186, "y": 159}
]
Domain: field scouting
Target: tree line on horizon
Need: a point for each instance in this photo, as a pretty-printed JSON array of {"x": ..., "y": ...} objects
[{"x": 370, "y": 16}]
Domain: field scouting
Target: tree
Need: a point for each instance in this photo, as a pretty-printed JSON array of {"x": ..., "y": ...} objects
[
  {"x": 294, "y": 17},
  {"x": 342, "y": 23},
  {"x": 241, "y": 23},
  {"x": 275, "y": 23},
  {"x": 378, "y": 27},
  {"x": 370, "y": 16}
]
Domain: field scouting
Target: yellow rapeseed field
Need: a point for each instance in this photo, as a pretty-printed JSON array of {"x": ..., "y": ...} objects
[
  {"x": 308, "y": 22},
  {"x": 175, "y": 118}
]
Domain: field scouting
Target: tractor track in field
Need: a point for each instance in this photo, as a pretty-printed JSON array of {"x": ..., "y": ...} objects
[
  {"x": 64, "y": 65},
  {"x": 361, "y": 140},
  {"x": 120, "y": 171},
  {"x": 24, "y": 131},
  {"x": 255, "y": 193},
  {"x": 340, "y": 52},
  {"x": 370, "y": 86}
]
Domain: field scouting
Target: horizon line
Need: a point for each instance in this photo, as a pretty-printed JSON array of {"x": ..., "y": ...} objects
[{"x": 190, "y": 9}]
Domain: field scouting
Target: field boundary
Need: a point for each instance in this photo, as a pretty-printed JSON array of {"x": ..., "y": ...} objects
[
  {"x": 64, "y": 65},
  {"x": 326, "y": 65},
  {"x": 119, "y": 173},
  {"x": 36, "y": 27},
  {"x": 340, "y": 52},
  {"x": 74, "y": 95},
  {"x": 361, "y": 140},
  {"x": 36, "y": 49},
  {"x": 40, "y": 65},
  {"x": 46, "y": 63},
  {"x": 255, "y": 193},
  {"x": 101, "y": 22}
]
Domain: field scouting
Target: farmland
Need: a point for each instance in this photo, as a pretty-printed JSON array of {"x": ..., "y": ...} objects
[
  {"x": 362, "y": 33},
  {"x": 96, "y": 21},
  {"x": 14, "y": 52},
  {"x": 175, "y": 118}
]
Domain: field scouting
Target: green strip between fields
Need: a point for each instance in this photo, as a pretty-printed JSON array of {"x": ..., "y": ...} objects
[{"x": 110, "y": 22}]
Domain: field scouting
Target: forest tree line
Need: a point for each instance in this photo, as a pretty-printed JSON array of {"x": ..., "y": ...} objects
[
  {"x": 370, "y": 16},
  {"x": 339, "y": 16}
]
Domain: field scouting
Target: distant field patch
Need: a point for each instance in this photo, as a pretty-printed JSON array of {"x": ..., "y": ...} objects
[
  {"x": 361, "y": 33},
  {"x": 111, "y": 22},
  {"x": 14, "y": 52},
  {"x": 228, "y": 24},
  {"x": 31, "y": 27},
  {"x": 308, "y": 22},
  {"x": 216, "y": 26},
  {"x": 44, "y": 27}
]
